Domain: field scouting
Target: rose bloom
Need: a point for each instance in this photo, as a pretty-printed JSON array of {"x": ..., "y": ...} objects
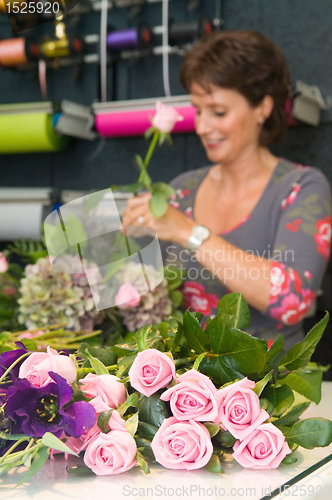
[
  {"x": 36, "y": 367},
  {"x": 3, "y": 263},
  {"x": 127, "y": 296},
  {"x": 106, "y": 391},
  {"x": 165, "y": 117},
  {"x": 151, "y": 371},
  {"x": 111, "y": 453},
  {"x": 239, "y": 410},
  {"x": 192, "y": 397},
  {"x": 182, "y": 445},
  {"x": 264, "y": 448}
]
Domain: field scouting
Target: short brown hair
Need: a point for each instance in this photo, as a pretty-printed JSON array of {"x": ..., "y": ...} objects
[{"x": 246, "y": 61}]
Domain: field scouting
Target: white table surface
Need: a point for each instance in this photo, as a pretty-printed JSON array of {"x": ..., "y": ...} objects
[{"x": 54, "y": 483}]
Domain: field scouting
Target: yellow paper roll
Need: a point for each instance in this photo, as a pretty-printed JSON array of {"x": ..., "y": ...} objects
[{"x": 28, "y": 133}]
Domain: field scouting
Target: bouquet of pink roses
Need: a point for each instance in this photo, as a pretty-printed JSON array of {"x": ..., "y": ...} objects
[{"x": 177, "y": 394}]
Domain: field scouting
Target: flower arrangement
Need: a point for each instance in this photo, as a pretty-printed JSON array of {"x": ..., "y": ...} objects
[{"x": 174, "y": 393}]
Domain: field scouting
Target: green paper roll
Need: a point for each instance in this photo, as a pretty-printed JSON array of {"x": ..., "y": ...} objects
[{"x": 29, "y": 133}]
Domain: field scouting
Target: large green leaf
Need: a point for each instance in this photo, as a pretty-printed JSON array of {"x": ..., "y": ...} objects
[
  {"x": 299, "y": 355},
  {"x": 217, "y": 330},
  {"x": 281, "y": 398},
  {"x": 152, "y": 410},
  {"x": 311, "y": 432},
  {"x": 52, "y": 441},
  {"x": 97, "y": 365},
  {"x": 147, "y": 431},
  {"x": 194, "y": 333},
  {"x": 141, "y": 337},
  {"x": 276, "y": 347},
  {"x": 292, "y": 416},
  {"x": 214, "y": 465},
  {"x": 235, "y": 305},
  {"x": 239, "y": 354},
  {"x": 163, "y": 188},
  {"x": 307, "y": 384}
]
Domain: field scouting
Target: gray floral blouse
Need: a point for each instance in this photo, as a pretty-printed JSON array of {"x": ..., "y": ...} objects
[{"x": 290, "y": 225}]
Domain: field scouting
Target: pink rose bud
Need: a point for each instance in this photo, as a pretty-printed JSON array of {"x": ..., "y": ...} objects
[
  {"x": 151, "y": 370},
  {"x": 192, "y": 397},
  {"x": 127, "y": 296},
  {"x": 111, "y": 453},
  {"x": 116, "y": 422},
  {"x": 182, "y": 445},
  {"x": 3, "y": 263},
  {"x": 36, "y": 367},
  {"x": 165, "y": 117},
  {"x": 264, "y": 448},
  {"x": 239, "y": 410},
  {"x": 106, "y": 391}
]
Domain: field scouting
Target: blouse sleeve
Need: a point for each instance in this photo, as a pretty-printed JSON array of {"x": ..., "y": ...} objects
[{"x": 301, "y": 248}]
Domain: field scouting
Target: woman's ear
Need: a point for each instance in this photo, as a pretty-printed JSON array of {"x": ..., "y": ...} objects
[{"x": 265, "y": 108}]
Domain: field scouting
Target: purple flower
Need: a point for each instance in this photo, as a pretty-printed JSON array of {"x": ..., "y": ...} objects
[
  {"x": 6, "y": 360},
  {"x": 36, "y": 410}
]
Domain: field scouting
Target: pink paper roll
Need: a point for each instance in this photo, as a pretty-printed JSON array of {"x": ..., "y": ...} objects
[{"x": 126, "y": 123}]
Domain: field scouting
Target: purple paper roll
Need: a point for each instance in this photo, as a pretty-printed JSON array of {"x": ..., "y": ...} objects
[{"x": 125, "y": 39}]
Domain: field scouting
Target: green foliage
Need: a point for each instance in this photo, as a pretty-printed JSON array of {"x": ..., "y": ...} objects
[
  {"x": 214, "y": 465},
  {"x": 310, "y": 433},
  {"x": 233, "y": 304},
  {"x": 152, "y": 410}
]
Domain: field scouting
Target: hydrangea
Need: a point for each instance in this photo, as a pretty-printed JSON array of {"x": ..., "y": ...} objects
[
  {"x": 154, "y": 307},
  {"x": 49, "y": 297}
]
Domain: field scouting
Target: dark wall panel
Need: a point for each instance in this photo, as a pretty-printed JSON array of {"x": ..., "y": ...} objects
[{"x": 302, "y": 28}]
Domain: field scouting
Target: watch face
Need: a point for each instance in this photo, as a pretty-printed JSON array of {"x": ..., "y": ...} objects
[{"x": 201, "y": 232}]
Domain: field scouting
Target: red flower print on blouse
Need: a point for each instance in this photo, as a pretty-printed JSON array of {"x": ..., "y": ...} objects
[
  {"x": 292, "y": 196},
  {"x": 308, "y": 274},
  {"x": 189, "y": 212},
  {"x": 294, "y": 226},
  {"x": 280, "y": 281},
  {"x": 323, "y": 237},
  {"x": 292, "y": 308},
  {"x": 198, "y": 299}
]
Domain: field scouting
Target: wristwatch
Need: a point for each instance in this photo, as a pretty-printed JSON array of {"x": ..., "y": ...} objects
[{"x": 198, "y": 236}]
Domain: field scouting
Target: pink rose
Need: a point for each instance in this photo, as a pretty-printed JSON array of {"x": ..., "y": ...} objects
[
  {"x": 127, "y": 296},
  {"x": 165, "y": 117},
  {"x": 264, "y": 448},
  {"x": 36, "y": 367},
  {"x": 193, "y": 397},
  {"x": 3, "y": 263},
  {"x": 151, "y": 371},
  {"x": 105, "y": 390},
  {"x": 239, "y": 411},
  {"x": 111, "y": 453},
  {"x": 79, "y": 444},
  {"x": 182, "y": 445},
  {"x": 116, "y": 422}
]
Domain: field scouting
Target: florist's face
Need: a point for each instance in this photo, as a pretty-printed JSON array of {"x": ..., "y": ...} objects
[{"x": 226, "y": 123}]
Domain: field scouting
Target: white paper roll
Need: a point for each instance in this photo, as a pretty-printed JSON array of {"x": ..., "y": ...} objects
[{"x": 20, "y": 220}]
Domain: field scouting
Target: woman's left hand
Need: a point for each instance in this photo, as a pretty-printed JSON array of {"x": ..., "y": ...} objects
[{"x": 173, "y": 226}]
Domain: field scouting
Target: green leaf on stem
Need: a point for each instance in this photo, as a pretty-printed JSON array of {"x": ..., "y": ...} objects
[
  {"x": 214, "y": 465},
  {"x": 198, "y": 360},
  {"x": 144, "y": 447},
  {"x": 141, "y": 337},
  {"x": 124, "y": 365},
  {"x": 164, "y": 189},
  {"x": 52, "y": 441},
  {"x": 307, "y": 384},
  {"x": 212, "y": 428},
  {"x": 311, "y": 433},
  {"x": 234, "y": 305},
  {"x": 103, "y": 419},
  {"x": 37, "y": 463},
  {"x": 292, "y": 416},
  {"x": 97, "y": 365},
  {"x": 280, "y": 397},
  {"x": 299, "y": 355},
  {"x": 194, "y": 333},
  {"x": 266, "y": 405},
  {"x": 152, "y": 410},
  {"x": 289, "y": 459},
  {"x": 140, "y": 460},
  {"x": 80, "y": 470},
  {"x": 131, "y": 424},
  {"x": 147, "y": 431},
  {"x": 131, "y": 401},
  {"x": 262, "y": 383}
]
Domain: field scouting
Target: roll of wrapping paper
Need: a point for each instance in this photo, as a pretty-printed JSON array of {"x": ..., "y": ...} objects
[
  {"x": 132, "y": 38},
  {"x": 28, "y": 132},
  {"x": 12, "y": 52},
  {"x": 136, "y": 122}
]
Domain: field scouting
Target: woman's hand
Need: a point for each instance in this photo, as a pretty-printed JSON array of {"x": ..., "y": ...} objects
[{"x": 173, "y": 226}]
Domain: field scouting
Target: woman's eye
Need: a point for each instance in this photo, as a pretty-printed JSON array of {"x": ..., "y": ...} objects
[{"x": 220, "y": 113}]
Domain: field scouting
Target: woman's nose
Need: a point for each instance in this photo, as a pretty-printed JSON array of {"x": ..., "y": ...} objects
[{"x": 202, "y": 123}]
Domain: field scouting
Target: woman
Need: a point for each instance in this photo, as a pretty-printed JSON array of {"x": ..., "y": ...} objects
[{"x": 257, "y": 224}]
